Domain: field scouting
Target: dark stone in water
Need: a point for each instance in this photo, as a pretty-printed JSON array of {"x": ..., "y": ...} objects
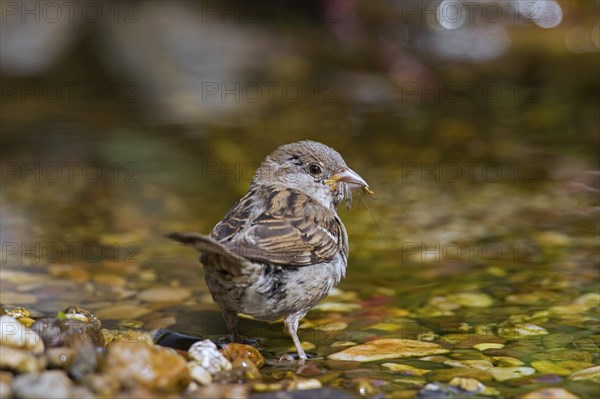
[{"x": 174, "y": 340}]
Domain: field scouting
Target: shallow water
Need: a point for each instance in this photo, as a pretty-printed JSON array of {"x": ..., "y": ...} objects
[{"x": 483, "y": 228}]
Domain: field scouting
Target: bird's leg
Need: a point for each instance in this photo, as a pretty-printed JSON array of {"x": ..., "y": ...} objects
[
  {"x": 291, "y": 324},
  {"x": 231, "y": 319}
]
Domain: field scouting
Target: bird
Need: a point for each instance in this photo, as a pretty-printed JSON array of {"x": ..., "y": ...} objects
[{"x": 282, "y": 247}]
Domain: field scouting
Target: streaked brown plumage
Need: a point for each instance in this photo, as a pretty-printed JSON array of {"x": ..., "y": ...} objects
[{"x": 282, "y": 247}]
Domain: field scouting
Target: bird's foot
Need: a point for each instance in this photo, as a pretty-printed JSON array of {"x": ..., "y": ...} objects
[{"x": 291, "y": 358}]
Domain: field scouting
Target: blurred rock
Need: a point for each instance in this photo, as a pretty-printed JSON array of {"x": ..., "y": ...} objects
[
  {"x": 53, "y": 384},
  {"x": 387, "y": 349},
  {"x": 20, "y": 360},
  {"x": 153, "y": 367},
  {"x": 16, "y": 335},
  {"x": 5, "y": 385}
]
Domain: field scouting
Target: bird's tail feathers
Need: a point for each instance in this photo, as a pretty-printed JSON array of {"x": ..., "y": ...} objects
[{"x": 205, "y": 245}]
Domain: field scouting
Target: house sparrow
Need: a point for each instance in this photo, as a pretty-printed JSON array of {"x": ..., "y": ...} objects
[{"x": 282, "y": 247}]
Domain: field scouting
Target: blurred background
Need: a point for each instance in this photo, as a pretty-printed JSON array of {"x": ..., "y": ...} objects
[
  {"x": 163, "y": 92},
  {"x": 475, "y": 123}
]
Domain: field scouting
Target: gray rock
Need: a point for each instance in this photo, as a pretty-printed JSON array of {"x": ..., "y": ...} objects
[{"x": 47, "y": 385}]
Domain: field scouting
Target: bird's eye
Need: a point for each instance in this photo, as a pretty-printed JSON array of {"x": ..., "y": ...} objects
[{"x": 314, "y": 169}]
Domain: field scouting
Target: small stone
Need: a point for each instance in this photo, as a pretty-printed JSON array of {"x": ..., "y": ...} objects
[
  {"x": 549, "y": 393},
  {"x": 103, "y": 385},
  {"x": 488, "y": 345},
  {"x": 16, "y": 335},
  {"x": 589, "y": 300},
  {"x": 404, "y": 369},
  {"x": 20, "y": 360},
  {"x": 127, "y": 336},
  {"x": 387, "y": 349},
  {"x": 68, "y": 332},
  {"x": 476, "y": 364},
  {"x": 462, "y": 372},
  {"x": 589, "y": 374},
  {"x": 154, "y": 367},
  {"x": 508, "y": 373},
  {"x": 471, "y": 299},
  {"x": 76, "y": 313},
  {"x": 454, "y": 338},
  {"x": 60, "y": 358},
  {"x": 47, "y": 385},
  {"x": 467, "y": 384},
  {"x": 235, "y": 351},
  {"x": 548, "y": 367},
  {"x": 343, "y": 343},
  {"x": 206, "y": 354},
  {"x": 165, "y": 294},
  {"x": 5, "y": 385},
  {"x": 304, "y": 384},
  {"x": 507, "y": 361},
  {"x": 244, "y": 369},
  {"x": 199, "y": 373},
  {"x": 522, "y": 331}
]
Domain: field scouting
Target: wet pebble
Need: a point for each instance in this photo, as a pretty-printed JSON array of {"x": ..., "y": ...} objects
[
  {"x": 46, "y": 385},
  {"x": 60, "y": 358},
  {"x": 20, "y": 360},
  {"x": 206, "y": 361},
  {"x": 471, "y": 299},
  {"x": 387, "y": 349},
  {"x": 103, "y": 385},
  {"x": 153, "y": 367},
  {"x": 404, "y": 369},
  {"x": 522, "y": 331},
  {"x": 507, "y": 361},
  {"x": 470, "y": 385},
  {"x": 5, "y": 385},
  {"x": 235, "y": 351},
  {"x": 548, "y": 367},
  {"x": 549, "y": 393},
  {"x": 508, "y": 373},
  {"x": 477, "y": 364},
  {"x": 488, "y": 345},
  {"x": 16, "y": 335},
  {"x": 589, "y": 374}
]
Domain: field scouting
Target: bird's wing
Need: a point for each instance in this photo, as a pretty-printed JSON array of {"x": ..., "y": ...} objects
[{"x": 282, "y": 226}]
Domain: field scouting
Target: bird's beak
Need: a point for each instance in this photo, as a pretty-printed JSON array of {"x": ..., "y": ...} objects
[{"x": 352, "y": 179}]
